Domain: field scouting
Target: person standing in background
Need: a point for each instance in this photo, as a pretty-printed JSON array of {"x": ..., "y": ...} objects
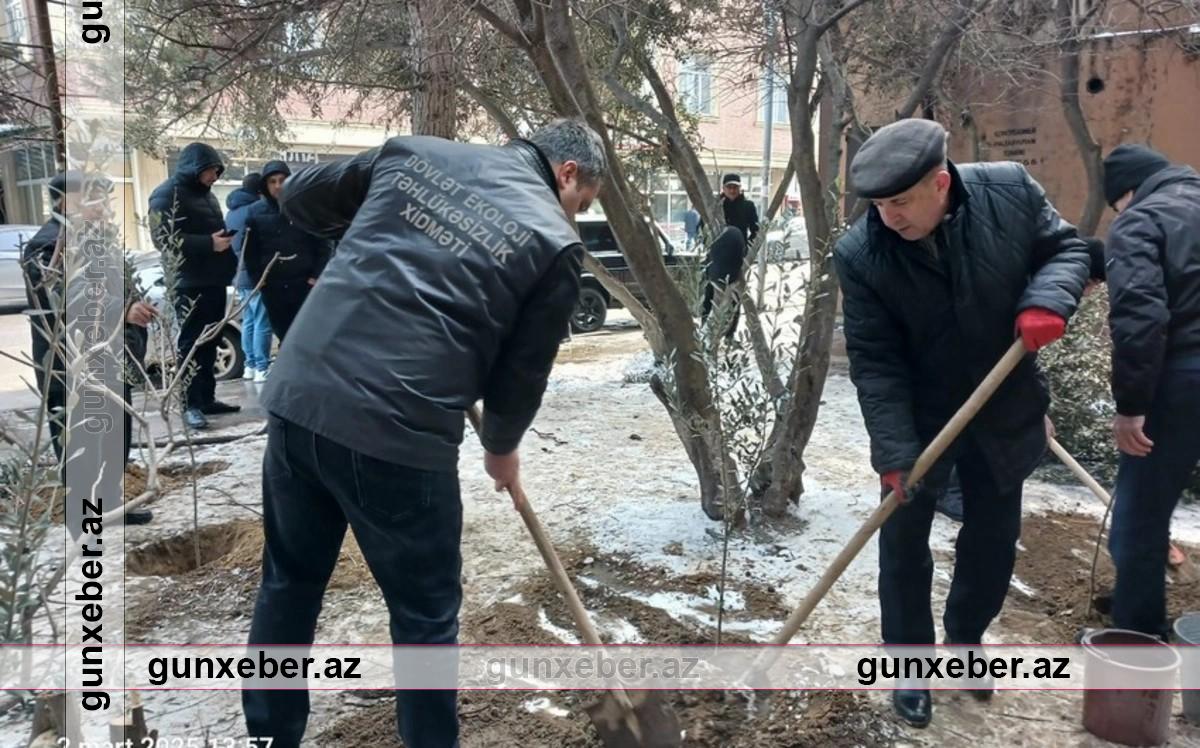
[{"x": 256, "y": 329}]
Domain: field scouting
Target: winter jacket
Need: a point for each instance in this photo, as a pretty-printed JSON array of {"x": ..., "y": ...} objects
[
  {"x": 455, "y": 277},
  {"x": 36, "y": 254},
  {"x": 238, "y": 203},
  {"x": 182, "y": 205},
  {"x": 923, "y": 330},
  {"x": 302, "y": 255},
  {"x": 1153, "y": 256},
  {"x": 726, "y": 256},
  {"x": 743, "y": 214}
]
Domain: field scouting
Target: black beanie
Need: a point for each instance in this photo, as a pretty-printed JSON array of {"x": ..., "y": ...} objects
[{"x": 1127, "y": 166}]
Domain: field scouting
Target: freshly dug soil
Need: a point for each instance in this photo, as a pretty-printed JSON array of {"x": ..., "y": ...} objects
[
  {"x": 1056, "y": 565},
  {"x": 710, "y": 719},
  {"x": 499, "y": 719}
]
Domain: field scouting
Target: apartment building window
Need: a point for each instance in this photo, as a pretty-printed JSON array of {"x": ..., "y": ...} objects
[
  {"x": 695, "y": 86},
  {"x": 669, "y": 202},
  {"x": 15, "y": 26},
  {"x": 34, "y": 166},
  {"x": 779, "y": 101}
]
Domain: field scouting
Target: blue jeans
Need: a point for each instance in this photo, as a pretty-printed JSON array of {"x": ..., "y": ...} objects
[
  {"x": 408, "y": 523},
  {"x": 1148, "y": 488},
  {"x": 256, "y": 332}
]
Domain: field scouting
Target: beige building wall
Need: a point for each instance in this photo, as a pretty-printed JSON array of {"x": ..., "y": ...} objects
[{"x": 1137, "y": 88}]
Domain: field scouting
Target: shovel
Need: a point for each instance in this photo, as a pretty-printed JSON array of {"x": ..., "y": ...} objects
[
  {"x": 624, "y": 719},
  {"x": 941, "y": 442}
]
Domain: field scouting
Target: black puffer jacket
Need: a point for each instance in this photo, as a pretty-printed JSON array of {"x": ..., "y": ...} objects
[
  {"x": 455, "y": 277},
  {"x": 185, "y": 206},
  {"x": 743, "y": 214},
  {"x": 268, "y": 232},
  {"x": 922, "y": 332},
  {"x": 1153, "y": 256}
]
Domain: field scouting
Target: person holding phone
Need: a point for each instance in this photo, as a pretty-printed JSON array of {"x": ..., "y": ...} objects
[
  {"x": 302, "y": 256},
  {"x": 185, "y": 218}
]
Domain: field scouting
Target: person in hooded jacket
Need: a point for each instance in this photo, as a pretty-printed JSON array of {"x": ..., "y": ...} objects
[
  {"x": 186, "y": 218},
  {"x": 1153, "y": 264},
  {"x": 256, "y": 329},
  {"x": 302, "y": 256}
]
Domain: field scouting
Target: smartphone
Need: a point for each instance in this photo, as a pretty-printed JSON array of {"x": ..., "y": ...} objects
[{"x": 227, "y": 232}]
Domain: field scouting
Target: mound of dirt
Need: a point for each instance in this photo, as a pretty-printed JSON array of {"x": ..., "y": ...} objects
[
  {"x": 620, "y": 588},
  {"x": 1055, "y": 568},
  {"x": 710, "y": 719},
  {"x": 609, "y": 586}
]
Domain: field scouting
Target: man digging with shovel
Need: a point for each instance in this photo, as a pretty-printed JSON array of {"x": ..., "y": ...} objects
[
  {"x": 949, "y": 264},
  {"x": 457, "y": 272}
]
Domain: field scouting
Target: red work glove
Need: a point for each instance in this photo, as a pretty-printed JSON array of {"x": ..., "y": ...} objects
[
  {"x": 895, "y": 481},
  {"x": 1040, "y": 327}
]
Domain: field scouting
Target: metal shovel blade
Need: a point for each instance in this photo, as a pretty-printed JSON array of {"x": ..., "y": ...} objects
[{"x": 651, "y": 724}]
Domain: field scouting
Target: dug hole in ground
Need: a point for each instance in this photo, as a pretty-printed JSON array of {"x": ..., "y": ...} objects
[{"x": 612, "y": 485}]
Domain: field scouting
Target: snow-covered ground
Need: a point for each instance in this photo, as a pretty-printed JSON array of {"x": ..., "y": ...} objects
[{"x": 607, "y": 475}]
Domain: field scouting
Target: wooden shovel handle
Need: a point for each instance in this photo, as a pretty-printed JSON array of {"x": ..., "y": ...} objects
[
  {"x": 1079, "y": 472},
  {"x": 928, "y": 457},
  {"x": 563, "y": 582}
]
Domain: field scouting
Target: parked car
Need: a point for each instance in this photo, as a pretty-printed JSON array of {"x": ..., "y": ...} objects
[
  {"x": 147, "y": 269},
  {"x": 788, "y": 240},
  {"x": 601, "y": 243},
  {"x": 12, "y": 277}
]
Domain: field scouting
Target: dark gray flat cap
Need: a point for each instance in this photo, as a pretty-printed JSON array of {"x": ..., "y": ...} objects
[{"x": 896, "y": 157}]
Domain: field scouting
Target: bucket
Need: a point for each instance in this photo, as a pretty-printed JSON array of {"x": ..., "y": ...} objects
[
  {"x": 1136, "y": 717},
  {"x": 1187, "y": 633}
]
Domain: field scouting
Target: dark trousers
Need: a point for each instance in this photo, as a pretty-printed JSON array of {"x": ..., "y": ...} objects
[
  {"x": 283, "y": 302},
  {"x": 408, "y": 523},
  {"x": 1148, "y": 488},
  {"x": 710, "y": 290},
  {"x": 207, "y": 305},
  {"x": 984, "y": 556}
]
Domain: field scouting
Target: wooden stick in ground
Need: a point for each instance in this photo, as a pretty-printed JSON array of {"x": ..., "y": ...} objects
[{"x": 928, "y": 457}]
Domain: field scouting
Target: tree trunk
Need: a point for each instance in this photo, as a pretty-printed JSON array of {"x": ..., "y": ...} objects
[
  {"x": 548, "y": 39},
  {"x": 49, "y": 67},
  {"x": 434, "y": 102},
  {"x": 1068, "y": 94},
  {"x": 780, "y": 482}
]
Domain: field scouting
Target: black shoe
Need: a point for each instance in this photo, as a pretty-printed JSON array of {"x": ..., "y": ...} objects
[
  {"x": 139, "y": 517},
  {"x": 218, "y": 408},
  {"x": 194, "y": 419},
  {"x": 915, "y": 706},
  {"x": 981, "y": 688}
]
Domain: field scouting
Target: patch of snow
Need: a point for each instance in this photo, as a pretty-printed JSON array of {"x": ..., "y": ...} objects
[
  {"x": 543, "y": 704},
  {"x": 1023, "y": 588},
  {"x": 567, "y": 637}
]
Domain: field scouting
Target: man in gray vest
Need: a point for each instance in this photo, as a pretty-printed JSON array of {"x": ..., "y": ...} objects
[{"x": 456, "y": 273}]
